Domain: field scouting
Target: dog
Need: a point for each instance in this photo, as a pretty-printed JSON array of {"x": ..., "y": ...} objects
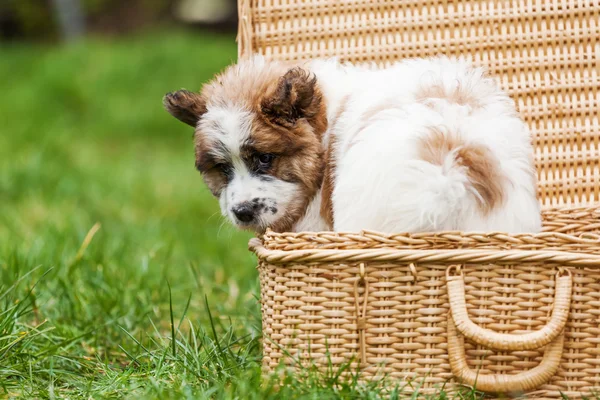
[{"x": 423, "y": 145}]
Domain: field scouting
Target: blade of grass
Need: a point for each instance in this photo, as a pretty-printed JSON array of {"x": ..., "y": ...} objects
[
  {"x": 212, "y": 325},
  {"x": 173, "y": 347}
]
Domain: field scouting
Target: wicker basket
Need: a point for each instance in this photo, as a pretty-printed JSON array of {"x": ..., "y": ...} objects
[{"x": 507, "y": 313}]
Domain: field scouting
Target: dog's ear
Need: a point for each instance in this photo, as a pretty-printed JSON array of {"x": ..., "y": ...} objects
[
  {"x": 294, "y": 97},
  {"x": 186, "y": 106}
]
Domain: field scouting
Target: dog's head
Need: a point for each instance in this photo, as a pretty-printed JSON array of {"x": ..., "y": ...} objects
[{"x": 258, "y": 128}]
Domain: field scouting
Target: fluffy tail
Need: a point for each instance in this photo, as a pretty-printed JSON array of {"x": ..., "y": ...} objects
[{"x": 464, "y": 179}]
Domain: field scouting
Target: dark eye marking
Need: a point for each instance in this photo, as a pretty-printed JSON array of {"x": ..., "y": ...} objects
[{"x": 226, "y": 170}]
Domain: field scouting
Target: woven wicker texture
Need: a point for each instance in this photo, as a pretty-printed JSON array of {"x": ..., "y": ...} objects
[
  {"x": 387, "y": 301},
  {"x": 545, "y": 53},
  {"x": 396, "y": 323}
]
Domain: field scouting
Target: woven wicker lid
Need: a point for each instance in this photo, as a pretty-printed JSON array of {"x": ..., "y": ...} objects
[{"x": 545, "y": 53}]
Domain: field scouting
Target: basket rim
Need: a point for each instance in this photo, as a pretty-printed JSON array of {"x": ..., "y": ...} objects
[
  {"x": 428, "y": 238},
  {"x": 482, "y": 256},
  {"x": 552, "y": 238},
  {"x": 437, "y": 256}
]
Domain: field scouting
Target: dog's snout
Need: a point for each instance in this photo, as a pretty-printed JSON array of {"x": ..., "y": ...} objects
[{"x": 244, "y": 212}]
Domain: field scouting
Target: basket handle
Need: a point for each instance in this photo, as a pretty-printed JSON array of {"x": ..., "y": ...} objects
[
  {"x": 507, "y": 341},
  {"x": 521, "y": 382}
]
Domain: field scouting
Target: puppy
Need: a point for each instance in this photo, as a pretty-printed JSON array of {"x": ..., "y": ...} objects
[{"x": 423, "y": 145}]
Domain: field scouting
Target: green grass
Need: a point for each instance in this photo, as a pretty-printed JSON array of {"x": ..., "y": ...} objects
[{"x": 118, "y": 277}]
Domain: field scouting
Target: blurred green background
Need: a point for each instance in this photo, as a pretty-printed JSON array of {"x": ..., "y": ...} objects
[{"x": 110, "y": 244}]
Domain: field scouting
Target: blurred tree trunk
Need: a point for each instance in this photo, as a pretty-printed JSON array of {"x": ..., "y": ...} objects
[{"x": 70, "y": 18}]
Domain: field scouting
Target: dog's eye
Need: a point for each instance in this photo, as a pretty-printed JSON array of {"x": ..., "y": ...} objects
[{"x": 265, "y": 160}]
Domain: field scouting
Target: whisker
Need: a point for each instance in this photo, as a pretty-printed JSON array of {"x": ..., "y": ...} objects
[{"x": 215, "y": 213}]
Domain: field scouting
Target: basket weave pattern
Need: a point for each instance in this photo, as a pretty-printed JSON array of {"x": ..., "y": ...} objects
[
  {"x": 509, "y": 313},
  {"x": 310, "y": 313},
  {"x": 544, "y": 53}
]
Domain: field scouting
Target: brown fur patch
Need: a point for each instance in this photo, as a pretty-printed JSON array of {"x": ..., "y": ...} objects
[
  {"x": 215, "y": 181},
  {"x": 435, "y": 147},
  {"x": 483, "y": 171},
  {"x": 328, "y": 183},
  {"x": 482, "y": 167},
  {"x": 459, "y": 94},
  {"x": 295, "y": 96},
  {"x": 186, "y": 106}
]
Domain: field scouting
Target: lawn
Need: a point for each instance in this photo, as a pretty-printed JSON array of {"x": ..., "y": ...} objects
[{"x": 118, "y": 276}]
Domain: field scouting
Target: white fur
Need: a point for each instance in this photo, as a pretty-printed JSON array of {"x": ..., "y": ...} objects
[
  {"x": 380, "y": 182},
  {"x": 312, "y": 220}
]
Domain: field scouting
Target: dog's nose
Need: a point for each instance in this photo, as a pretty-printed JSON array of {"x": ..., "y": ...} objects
[{"x": 243, "y": 212}]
